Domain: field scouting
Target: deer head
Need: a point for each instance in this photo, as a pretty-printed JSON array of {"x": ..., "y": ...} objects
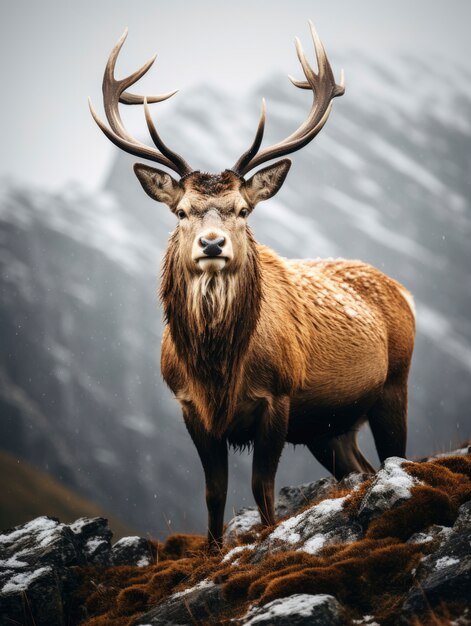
[{"x": 212, "y": 209}]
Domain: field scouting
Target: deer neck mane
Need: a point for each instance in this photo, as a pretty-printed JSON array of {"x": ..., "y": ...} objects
[{"x": 211, "y": 319}]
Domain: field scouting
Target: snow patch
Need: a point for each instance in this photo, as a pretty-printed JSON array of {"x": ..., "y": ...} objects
[
  {"x": 237, "y": 550},
  {"x": 288, "y": 531},
  {"x": 93, "y": 544},
  {"x": 128, "y": 541},
  {"x": 79, "y": 525},
  {"x": 446, "y": 561},
  {"x": 21, "y": 582},
  {"x": 314, "y": 544},
  {"x": 393, "y": 478},
  {"x": 12, "y": 562},
  {"x": 43, "y": 527},
  {"x": 300, "y": 604},
  {"x": 204, "y": 584}
]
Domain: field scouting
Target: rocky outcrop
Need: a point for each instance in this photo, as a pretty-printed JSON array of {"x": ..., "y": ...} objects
[
  {"x": 40, "y": 563},
  {"x": 446, "y": 573},
  {"x": 342, "y": 554}
]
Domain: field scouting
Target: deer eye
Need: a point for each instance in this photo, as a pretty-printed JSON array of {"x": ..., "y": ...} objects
[
  {"x": 243, "y": 213},
  {"x": 181, "y": 214}
]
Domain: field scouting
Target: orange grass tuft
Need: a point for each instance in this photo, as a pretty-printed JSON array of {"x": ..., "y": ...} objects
[{"x": 427, "y": 506}]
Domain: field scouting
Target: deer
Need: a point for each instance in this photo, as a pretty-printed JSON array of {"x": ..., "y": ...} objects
[{"x": 261, "y": 350}]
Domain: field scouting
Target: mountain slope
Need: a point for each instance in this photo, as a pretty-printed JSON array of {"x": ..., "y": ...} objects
[{"x": 26, "y": 492}]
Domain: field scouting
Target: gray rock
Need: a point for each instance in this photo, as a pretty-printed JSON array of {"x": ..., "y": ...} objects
[
  {"x": 42, "y": 541},
  {"x": 390, "y": 487},
  {"x": 243, "y": 521},
  {"x": 355, "y": 479},
  {"x": 132, "y": 551},
  {"x": 37, "y": 572},
  {"x": 433, "y": 533},
  {"x": 323, "y": 524},
  {"x": 193, "y": 606},
  {"x": 456, "y": 547},
  {"x": 94, "y": 539},
  {"x": 297, "y": 610},
  {"x": 291, "y": 499},
  {"x": 463, "y": 521},
  {"x": 38, "y": 567},
  {"x": 444, "y": 576},
  {"x": 32, "y": 598}
]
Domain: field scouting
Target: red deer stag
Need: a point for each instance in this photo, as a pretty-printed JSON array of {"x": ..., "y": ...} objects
[{"x": 259, "y": 349}]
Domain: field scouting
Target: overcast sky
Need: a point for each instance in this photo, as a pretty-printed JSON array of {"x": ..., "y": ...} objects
[{"x": 53, "y": 54}]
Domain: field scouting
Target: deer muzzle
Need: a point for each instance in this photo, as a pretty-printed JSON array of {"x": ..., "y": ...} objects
[{"x": 212, "y": 251}]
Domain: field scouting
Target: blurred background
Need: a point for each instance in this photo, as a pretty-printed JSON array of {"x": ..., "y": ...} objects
[{"x": 86, "y": 424}]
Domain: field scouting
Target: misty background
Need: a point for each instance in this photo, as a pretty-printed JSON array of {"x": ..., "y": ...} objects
[{"x": 82, "y": 403}]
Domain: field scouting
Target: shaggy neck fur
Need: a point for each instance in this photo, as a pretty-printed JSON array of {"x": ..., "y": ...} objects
[{"x": 211, "y": 320}]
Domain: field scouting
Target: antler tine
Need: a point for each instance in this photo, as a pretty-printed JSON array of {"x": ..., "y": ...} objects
[
  {"x": 323, "y": 65},
  {"x": 166, "y": 151},
  {"x": 322, "y": 60},
  {"x": 126, "y": 97},
  {"x": 254, "y": 148},
  {"x": 307, "y": 69},
  {"x": 131, "y": 98},
  {"x": 324, "y": 89},
  {"x": 132, "y": 146},
  {"x": 113, "y": 93}
]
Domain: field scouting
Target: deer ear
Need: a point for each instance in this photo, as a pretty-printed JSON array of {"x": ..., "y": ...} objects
[
  {"x": 265, "y": 183},
  {"x": 158, "y": 185}
]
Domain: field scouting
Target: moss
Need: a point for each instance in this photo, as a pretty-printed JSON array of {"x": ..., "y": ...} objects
[
  {"x": 352, "y": 503},
  {"x": 132, "y": 600},
  {"x": 179, "y": 546},
  {"x": 427, "y": 506}
]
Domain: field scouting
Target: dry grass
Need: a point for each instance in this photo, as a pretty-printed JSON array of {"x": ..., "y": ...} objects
[{"x": 369, "y": 576}]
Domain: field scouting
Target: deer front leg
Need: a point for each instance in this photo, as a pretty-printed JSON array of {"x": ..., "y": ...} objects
[
  {"x": 213, "y": 455},
  {"x": 268, "y": 446}
]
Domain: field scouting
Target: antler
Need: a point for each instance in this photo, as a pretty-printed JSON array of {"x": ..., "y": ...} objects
[
  {"x": 324, "y": 90},
  {"x": 113, "y": 93}
]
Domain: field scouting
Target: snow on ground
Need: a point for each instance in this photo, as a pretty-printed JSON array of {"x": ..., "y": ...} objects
[
  {"x": 128, "y": 541},
  {"x": 314, "y": 544},
  {"x": 12, "y": 563},
  {"x": 204, "y": 584},
  {"x": 300, "y": 604},
  {"x": 93, "y": 544},
  {"x": 289, "y": 531},
  {"x": 237, "y": 550},
  {"x": 43, "y": 527},
  {"x": 21, "y": 582},
  {"x": 243, "y": 522},
  {"x": 434, "y": 532},
  {"x": 390, "y": 485},
  {"x": 446, "y": 561}
]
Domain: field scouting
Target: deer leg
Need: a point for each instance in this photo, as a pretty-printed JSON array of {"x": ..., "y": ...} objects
[
  {"x": 268, "y": 446},
  {"x": 213, "y": 455},
  {"x": 388, "y": 418},
  {"x": 340, "y": 454}
]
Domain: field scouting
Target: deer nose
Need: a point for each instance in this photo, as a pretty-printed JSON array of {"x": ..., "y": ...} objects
[{"x": 212, "y": 247}]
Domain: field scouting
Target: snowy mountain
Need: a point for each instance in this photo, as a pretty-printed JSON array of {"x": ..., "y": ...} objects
[{"x": 386, "y": 181}]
